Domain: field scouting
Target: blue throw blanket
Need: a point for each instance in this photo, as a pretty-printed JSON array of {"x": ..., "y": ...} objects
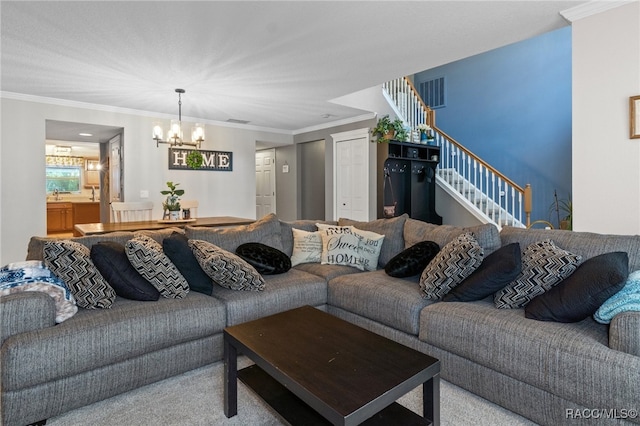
[{"x": 627, "y": 299}]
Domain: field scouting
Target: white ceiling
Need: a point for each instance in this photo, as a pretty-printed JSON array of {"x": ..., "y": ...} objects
[{"x": 275, "y": 64}]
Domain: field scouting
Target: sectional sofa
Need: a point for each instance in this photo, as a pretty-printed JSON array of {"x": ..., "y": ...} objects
[{"x": 551, "y": 372}]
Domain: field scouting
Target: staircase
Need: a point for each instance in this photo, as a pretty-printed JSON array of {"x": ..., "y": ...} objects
[{"x": 485, "y": 192}]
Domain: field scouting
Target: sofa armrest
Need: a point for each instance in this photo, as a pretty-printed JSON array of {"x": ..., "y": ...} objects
[
  {"x": 624, "y": 333},
  {"x": 27, "y": 311}
]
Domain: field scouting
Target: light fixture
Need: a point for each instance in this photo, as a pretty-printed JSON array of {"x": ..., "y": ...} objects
[
  {"x": 62, "y": 150},
  {"x": 174, "y": 135}
]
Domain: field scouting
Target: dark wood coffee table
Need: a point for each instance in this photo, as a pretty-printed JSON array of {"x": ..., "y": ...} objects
[{"x": 314, "y": 368}]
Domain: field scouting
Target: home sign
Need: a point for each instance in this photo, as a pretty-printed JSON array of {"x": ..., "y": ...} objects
[{"x": 211, "y": 160}]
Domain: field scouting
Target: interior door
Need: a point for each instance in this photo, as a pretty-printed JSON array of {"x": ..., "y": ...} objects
[
  {"x": 265, "y": 182},
  {"x": 115, "y": 171},
  {"x": 352, "y": 179}
]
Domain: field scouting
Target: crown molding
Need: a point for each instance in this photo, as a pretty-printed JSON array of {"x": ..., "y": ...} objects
[
  {"x": 592, "y": 8},
  {"x": 336, "y": 123}
]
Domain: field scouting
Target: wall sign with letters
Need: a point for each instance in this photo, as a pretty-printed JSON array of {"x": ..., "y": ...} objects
[{"x": 212, "y": 160}]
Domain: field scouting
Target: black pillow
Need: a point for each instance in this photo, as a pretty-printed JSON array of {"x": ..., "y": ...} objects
[
  {"x": 413, "y": 260},
  {"x": 111, "y": 260},
  {"x": 496, "y": 271},
  {"x": 177, "y": 249},
  {"x": 581, "y": 294},
  {"x": 267, "y": 260}
]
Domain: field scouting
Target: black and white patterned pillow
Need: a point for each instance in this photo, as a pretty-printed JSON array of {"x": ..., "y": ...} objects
[
  {"x": 225, "y": 268},
  {"x": 453, "y": 263},
  {"x": 543, "y": 266},
  {"x": 71, "y": 262},
  {"x": 146, "y": 255}
]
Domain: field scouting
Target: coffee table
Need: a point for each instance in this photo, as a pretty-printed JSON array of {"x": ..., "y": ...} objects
[{"x": 314, "y": 368}]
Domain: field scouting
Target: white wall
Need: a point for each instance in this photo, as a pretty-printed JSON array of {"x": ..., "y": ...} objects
[
  {"x": 606, "y": 162},
  {"x": 22, "y": 166}
]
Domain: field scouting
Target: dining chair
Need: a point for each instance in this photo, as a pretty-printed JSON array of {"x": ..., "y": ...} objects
[
  {"x": 131, "y": 212},
  {"x": 192, "y": 205}
]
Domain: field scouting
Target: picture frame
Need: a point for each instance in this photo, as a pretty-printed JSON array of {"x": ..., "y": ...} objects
[{"x": 634, "y": 117}]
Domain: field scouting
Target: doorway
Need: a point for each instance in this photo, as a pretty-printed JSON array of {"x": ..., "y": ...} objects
[
  {"x": 312, "y": 180},
  {"x": 265, "y": 182}
]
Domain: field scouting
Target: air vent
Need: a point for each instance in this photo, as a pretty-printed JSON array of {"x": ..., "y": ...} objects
[
  {"x": 433, "y": 92},
  {"x": 236, "y": 121}
]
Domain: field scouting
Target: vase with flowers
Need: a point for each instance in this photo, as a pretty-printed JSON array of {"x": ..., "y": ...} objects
[{"x": 426, "y": 133}]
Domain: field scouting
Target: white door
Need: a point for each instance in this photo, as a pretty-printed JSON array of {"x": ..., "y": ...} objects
[
  {"x": 352, "y": 177},
  {"x": 115, "y": 170},
  {"x": 265, "y": 182}
]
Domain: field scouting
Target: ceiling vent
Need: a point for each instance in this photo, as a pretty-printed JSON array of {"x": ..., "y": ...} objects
[
  {"x": 433, "y": 92},
  {"x": 236, "y": 121}
]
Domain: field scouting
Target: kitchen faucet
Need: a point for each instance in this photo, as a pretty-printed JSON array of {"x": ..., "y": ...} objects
[
  {"x": 56, "y": 194},
  {"x": 93, "y": 193}
]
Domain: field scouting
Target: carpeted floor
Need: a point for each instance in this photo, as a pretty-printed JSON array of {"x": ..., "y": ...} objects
[{"x": 195, "y": 398}]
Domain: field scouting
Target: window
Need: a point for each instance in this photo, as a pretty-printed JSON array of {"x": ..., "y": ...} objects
[
  {"x": 64, "y": 179},
  {"x": 433, "y": 92}
]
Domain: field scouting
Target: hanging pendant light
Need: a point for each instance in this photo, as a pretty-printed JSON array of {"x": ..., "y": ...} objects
[{"x": 174, "y": 135}]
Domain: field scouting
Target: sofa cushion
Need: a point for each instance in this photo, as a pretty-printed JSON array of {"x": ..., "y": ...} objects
[
  {"x": 453, "y": 263},
  {"x": 111, "y": 260},
  {"x": 265, "y": 230},
  {"x": 307, "y": 247},
  {"x": 415, "y": 231},
  {"x": 413, "y": 260},
  {"x": 281, "y": 292},
  {"x": 392, "y": 229},
  {"x": 582, "y": 293},
  {"x": 308, "y": 225},
  {"x": 369, "y": 248},
  {"x": 340, "y": 246},
  {"x": 395, "y": 302},
  {"x": 71, "y": 262},
  {"x": 225, "y": 268},
  {"x": 327, "y": 272},
  {"x": 544, "y": 265},
  {"x": 494, "y": 273},
  {"x": 625, "y": 300},
  {"x": 266, "y": 260},
  {"x": 177, "y": 249},
  {"x": 146, "y": 255}
]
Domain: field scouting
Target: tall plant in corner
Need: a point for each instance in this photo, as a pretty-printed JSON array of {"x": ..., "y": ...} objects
[{"x": 172, "y": 203}]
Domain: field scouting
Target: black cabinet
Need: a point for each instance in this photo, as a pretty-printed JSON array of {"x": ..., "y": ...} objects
[{"x": 410, "y": 180}]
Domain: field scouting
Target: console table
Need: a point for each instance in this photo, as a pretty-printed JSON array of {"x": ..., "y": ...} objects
[{"x": 104, "y": 228}]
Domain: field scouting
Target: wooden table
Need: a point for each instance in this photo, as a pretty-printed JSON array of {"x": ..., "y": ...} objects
[
  {"x": 315, "y": 369},
  {"x": 104, "y": 228}
]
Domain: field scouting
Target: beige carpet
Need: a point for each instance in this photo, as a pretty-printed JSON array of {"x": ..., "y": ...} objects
[{"x": 196, "y": 397}]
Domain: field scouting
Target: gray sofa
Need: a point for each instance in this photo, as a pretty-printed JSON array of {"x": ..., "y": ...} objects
[{"x": 537, "y": 369}]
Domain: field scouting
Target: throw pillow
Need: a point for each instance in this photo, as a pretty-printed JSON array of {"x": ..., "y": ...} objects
[
  {"x": 496, "y": 271},
  {"x": 265, "y": 259},
  {"x": 111, "y": 260},
  {"x": 177, "y": 249},
  {"x": 340, "y": 246},
  {"x": 146, "y": 255},
  {"x": 627, "y": 299},
  {"x": 34, "y": 276},
  {"x": 225, "y": 268},
  {"x": 71, "y": 262},
  {"x": 391, "y": 228},
  {"x": 413, "y": 260},
  {"x": 544, "y": 265},
  {"x": 307, "y": 247},
  {"x": 455, "y": 262},
  {"x": 581, "y": 294},
  {"x": 369, "y": 248}
]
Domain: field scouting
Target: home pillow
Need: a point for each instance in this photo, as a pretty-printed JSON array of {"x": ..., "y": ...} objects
[
  {"x": 225, "y": 268},
  {"x": 413, "y": 260},
  {"x": 391, "y": 228},
  {"x": 544, "y": 265},
  {"x": 369, "y": 248},
  {"x": 111, "y": 260},
  {"x": 71, "y": 262},
  {"x": 627, "y": 299},
  {"x": 265, "y": 259},
  {"x": 581, "y": 294},
  {"x": 32, "y": 275},
  {"x": 455, "y": 262},
  {"x": 340, "y": 246},
  {"x": 496, "y": 271},
  {"x": 146, "y": 255},
  {"x": 177, "y": 249},
  {"x": 307, "y": 247}
]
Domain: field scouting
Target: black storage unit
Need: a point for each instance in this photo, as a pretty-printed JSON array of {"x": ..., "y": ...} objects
[{"x": 410, "y": 180}]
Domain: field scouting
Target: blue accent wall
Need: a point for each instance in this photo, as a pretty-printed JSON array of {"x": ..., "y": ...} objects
[{"x": 512, "y": 107}]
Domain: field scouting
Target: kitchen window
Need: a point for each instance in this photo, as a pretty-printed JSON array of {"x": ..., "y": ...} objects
[{"x": 64, "y": 179}]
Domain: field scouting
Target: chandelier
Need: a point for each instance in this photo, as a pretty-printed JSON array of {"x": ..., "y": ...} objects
[{"x": 174, "y": 135}]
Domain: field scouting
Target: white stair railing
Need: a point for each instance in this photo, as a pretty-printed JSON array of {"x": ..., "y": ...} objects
[{"x": 494, "y": 196}]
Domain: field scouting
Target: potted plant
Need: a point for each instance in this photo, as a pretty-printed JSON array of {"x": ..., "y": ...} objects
[
  {"x": 171, "y": 205},
  {"x": 564, "y": 211},
  {"x": 426, "y": 133},
  {"x": 384, "y": 130},
  {"x": 402, "y": 133}
]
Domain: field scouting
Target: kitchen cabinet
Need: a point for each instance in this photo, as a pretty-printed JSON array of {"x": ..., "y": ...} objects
[
  {"x": 86, "y": 212},
  {"x": 59, "y": 217}
]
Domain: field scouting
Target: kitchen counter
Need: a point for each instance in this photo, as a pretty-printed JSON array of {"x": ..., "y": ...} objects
[{"x": 63, "y": 214}]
